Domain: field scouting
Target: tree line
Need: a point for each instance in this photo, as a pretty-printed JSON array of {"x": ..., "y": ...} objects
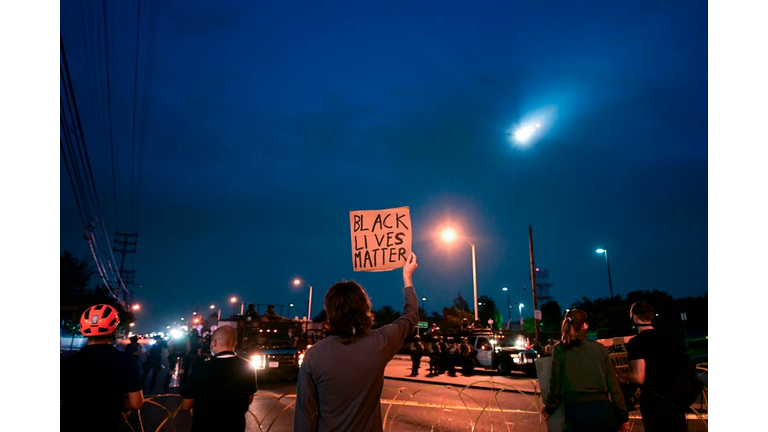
[{"x": 608, "y": 317}]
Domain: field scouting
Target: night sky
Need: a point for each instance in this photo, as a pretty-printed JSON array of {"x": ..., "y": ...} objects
[{"x": 267, "y": 122}]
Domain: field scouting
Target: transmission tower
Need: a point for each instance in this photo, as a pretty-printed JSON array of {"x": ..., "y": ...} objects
[
  {"x": 124, "y": 245},
  {"x": 542, "y": 286}
]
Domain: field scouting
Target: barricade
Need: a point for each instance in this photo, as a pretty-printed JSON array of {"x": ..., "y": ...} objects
[{"x": 497, "y": 407}]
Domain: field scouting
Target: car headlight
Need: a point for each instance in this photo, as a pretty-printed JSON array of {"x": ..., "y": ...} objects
[
  {"x": 301, "y": 358},
  {"x": 259, "y": 361}
]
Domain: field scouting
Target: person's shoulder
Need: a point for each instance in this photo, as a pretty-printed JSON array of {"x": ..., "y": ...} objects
[
  {"x": 327, "y": 343},
  {"x": 593, "y": 345}
]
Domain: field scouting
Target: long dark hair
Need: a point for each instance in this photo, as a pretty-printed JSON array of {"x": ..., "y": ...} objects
[
  {"x": 349, "y": 311},
  {"x": 571, "y": 328}
]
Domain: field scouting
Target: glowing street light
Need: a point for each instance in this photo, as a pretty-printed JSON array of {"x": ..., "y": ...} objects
[
  {"x": 449, "y": 235},
  {"x": 509, "y": 306},
  {"x": 213, "y": 306},
  {"x": 299, "y": 282},
  {"x": 604, "y": 251},
  {"x": 520, "y": 310},
  {"x": 423, "y": 299},
  {"x": 233, "y": 300},
  {"x": 136, "y": 307}
]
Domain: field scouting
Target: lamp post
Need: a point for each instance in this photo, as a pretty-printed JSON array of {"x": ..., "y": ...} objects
[
  {"x": 449, "y": 235},
  {"x": 298, "y": 282},
  {"x": 290, "y": 305},
  {"x": 604, "y": 251},
  {"x": 509, "y": 306},
  {"x": 233, "y": 300},
  {"x": 423, "y": 299}
]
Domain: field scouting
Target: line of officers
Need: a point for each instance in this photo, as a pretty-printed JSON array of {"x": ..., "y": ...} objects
[{"x": 445, "y": 356}]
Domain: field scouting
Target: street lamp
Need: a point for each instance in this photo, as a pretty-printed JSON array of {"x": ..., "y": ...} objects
[
  {"x": 290, "y": 305},
  {"x": 213, "y": 306},
  {"x": 449, "y": 235},
  {"x": 520, "y": 310},
  {"x": 604, "y": 251},
  {"x": 423, "y": 299},
  {"x": 136, "y": 307},
  {"x": 509, "y": 306},
  {"x": 233, "y": 300},
  {"x": 298, "y": 282}
]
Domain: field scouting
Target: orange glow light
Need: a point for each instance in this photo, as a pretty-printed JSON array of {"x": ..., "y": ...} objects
[{"x": 449, "y": 235}]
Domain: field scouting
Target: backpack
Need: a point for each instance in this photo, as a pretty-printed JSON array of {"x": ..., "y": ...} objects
[{"x": 688, "y": 384}]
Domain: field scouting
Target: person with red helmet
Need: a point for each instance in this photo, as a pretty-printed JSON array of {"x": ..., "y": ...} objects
[{"x": 98, "y": 381}]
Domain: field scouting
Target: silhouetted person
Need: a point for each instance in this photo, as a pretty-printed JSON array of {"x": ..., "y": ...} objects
[
  {"x": 417, "y": 350},
  {"x": 98, "y": 381},
  {"x": 434, "y": 356},
  {"x": 466, "y": 358},
  {"x": 250, "y": 313},
  {"x": 220, "y": 390},
  {"x": 270, "y": 314},
  {"x": 652, "y": 360},
  {"x": 152, "y": 362}
]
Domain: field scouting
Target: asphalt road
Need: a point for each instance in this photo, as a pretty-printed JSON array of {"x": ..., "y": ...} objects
[{"x": 481, "y": 402}]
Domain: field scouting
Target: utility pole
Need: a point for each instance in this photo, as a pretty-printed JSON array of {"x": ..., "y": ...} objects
[
  {"x": 533, "y": 283},
  {"x": 127, "y": 247}
]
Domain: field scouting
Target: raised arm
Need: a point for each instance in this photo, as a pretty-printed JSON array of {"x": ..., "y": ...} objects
[
  {"x": 408, "y": 270},
  {"x": 404, "y": 325}
]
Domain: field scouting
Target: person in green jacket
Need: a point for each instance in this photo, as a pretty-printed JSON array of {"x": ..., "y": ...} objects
[{"x": 583, "y": 379}]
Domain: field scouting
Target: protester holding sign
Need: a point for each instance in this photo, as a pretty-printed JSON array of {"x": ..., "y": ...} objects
[
  {"x": 583, "y": 379},
  {"x": 341, "y": 377}
]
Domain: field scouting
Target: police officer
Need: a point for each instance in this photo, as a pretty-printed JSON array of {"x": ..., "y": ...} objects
[
  {"x": 466, "y": 358},
  {"x": 417, "y": 350}
]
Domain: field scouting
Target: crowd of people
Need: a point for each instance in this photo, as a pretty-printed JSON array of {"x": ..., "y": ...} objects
[
  {"x": 337, "y": 391},
  {"x": 445, "y": 356}
]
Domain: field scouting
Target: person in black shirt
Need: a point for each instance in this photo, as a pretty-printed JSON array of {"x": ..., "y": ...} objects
[
  {"x": 222, "y": 389},
  {"x": 134, "y": 348},
  {"x": 98, "y": 381},
  {"x": 651, "y": 365}
]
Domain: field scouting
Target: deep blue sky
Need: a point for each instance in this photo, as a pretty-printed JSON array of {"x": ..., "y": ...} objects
[{"x": 268, "y": 122}]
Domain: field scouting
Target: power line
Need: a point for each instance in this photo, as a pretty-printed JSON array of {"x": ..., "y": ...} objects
[
  {"x": 77, "y": 163},
  {"x": 109, "y": 109}
]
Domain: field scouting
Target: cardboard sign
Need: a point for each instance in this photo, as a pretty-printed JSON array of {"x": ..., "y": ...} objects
[
  {"x": 617, "y": 350},
  {"x": 381, "y": 239}
]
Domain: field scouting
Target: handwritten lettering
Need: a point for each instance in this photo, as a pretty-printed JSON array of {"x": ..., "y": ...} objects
[{"x": 381, "y": 239}]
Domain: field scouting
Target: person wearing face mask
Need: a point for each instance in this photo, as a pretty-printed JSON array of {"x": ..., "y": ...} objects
[
  {"x": 584, "y": 381},
  {"x": 658, "y": 365}
]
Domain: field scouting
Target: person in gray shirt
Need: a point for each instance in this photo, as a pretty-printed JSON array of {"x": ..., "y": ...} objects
[{"x": 341, "y": 377}]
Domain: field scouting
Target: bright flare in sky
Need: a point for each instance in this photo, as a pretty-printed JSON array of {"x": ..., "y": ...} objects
[
  {"x": 533, "y": 125},
  {"x": 524, "y": 133}
]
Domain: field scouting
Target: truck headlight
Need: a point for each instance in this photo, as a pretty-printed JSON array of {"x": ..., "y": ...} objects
[{"x": 259, "y": 361}]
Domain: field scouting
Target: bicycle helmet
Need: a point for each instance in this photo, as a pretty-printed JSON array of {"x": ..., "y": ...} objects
[{"x": 99, "y": 320}]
